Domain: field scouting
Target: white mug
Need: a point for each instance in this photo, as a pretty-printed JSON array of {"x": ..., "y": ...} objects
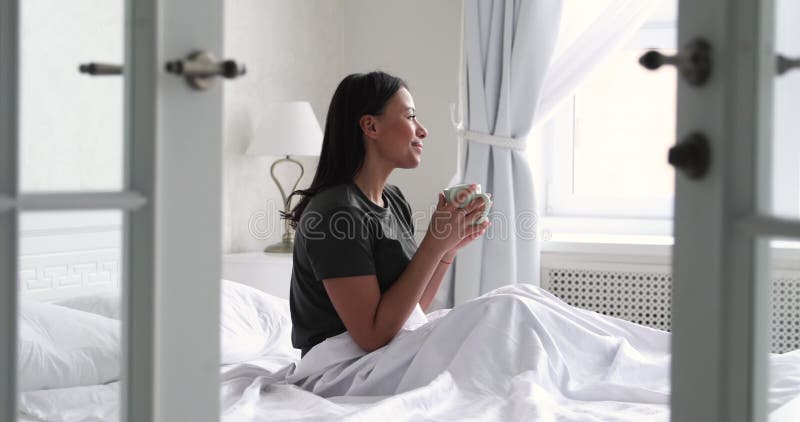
[{"x": 451, "y": 193}]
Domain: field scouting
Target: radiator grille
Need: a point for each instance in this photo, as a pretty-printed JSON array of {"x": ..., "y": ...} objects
[
  {"x": 786, "y": 314},
  {"x": 643, "y": 298},
  {"x": 646, "y": 298}
]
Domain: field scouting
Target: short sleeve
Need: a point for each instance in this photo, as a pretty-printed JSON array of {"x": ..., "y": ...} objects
[
  {"x": 339, "y": 244},
  {"x": 407, "y": 214}
]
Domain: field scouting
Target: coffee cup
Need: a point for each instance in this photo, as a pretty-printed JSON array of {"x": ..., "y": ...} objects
[{"x": 455, "y": 192}]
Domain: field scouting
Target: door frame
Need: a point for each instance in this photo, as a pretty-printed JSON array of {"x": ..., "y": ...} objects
[
  {"x": 8, "y": 211},
  {"x": 174, "y": 139},
  {"x": 171, "y": 200},
  {"x": 720, "y": 326}
]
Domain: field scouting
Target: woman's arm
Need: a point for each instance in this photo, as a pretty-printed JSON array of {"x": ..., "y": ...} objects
[
  {"x": 436, "y": 280},
  {"x": 444, "y": 264},
  {"x": 373, "y": 319}
]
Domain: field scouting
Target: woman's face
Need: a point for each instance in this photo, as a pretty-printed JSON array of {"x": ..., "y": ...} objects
[{"x": 396, "y": 135}]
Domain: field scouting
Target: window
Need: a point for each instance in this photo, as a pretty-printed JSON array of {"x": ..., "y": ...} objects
[{"x": 602, "y": 156}]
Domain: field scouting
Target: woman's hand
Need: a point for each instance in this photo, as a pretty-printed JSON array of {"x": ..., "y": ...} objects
[
  {"x": 467, "y": 240},
  {"x": 452, "y": 227}
]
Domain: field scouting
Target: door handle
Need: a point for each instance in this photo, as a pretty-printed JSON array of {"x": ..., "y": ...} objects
[
  {"x": 100, "y": 69},
  {"x": 693, "y": 61},
  {"x": 201, "y": 67},
  {"x": 786, "y": 64},
  {"x": 692, "y": 155}
]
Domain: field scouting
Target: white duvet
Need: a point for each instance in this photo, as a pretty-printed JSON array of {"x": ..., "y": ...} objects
[{"x": 515, "y": 354}]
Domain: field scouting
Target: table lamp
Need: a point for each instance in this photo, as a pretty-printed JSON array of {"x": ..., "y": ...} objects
[{"x": 287, "y": 129}]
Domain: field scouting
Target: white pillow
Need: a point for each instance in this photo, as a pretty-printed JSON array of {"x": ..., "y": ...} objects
[
  {"x": 105, "y": 303},
  {"x": 61, "y": 347},
  {"x": 253, "y": 324}
]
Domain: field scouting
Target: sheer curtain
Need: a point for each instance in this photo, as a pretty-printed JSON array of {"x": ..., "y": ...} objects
[{"x": 518, "y": 66}]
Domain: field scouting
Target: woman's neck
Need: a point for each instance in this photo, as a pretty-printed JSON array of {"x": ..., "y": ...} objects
[{"x": 371, "y": 180}]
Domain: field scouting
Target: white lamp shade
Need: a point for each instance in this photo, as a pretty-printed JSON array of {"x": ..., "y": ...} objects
[{"x": 287, "y": 129}]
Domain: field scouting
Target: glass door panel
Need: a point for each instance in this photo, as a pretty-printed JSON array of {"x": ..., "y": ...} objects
[
  {"x": 70, "y": 123},
  {"x": 785, "y": 157},
  {"x": 780, "y": 337},
  {"x": 69, "y": 326},
  {"x": 780, "y": 171}
]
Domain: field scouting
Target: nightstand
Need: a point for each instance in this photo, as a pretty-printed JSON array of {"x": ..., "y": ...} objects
[{"x": 268, "y": 272}]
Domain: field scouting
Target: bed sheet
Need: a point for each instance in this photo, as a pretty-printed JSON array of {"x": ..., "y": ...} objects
[
  {"x": 564, "y": 383},
  {"x": 250, "y": 392},
  {"x": 251, "y": 395}
]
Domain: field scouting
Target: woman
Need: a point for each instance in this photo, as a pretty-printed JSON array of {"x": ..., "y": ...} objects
[{"x": 357, "y": 267}]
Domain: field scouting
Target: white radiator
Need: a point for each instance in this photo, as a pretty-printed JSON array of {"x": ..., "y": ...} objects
[
  {"x": 786, "y": 311},
  {"x": 642, "y": 294},
  {"x": 640, "y": 297}
]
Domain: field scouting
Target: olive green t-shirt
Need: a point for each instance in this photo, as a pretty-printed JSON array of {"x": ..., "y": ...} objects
[{"x": 341, "y": 233}]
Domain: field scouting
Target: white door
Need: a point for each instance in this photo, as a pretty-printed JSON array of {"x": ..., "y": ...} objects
[
  {"x": 170, "y": 195},
  {"x": 723, "y": 219}
]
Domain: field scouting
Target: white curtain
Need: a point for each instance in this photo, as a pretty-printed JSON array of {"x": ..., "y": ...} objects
[{"x": 512, "y": 82}]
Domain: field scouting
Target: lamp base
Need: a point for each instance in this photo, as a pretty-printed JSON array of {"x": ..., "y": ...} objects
[{"x": 280, "y": 247}]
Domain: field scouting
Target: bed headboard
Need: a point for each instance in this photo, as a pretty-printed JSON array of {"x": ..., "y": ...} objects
[
  {"x": 76, "y": 253},
  {"x": 68, "y": 253}
]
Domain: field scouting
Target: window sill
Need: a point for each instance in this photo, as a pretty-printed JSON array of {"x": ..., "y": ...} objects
[
  {"x": 607, "y": 236},
  {"x": 645, "y": 248},
  {"x": 608, "y": 244}
]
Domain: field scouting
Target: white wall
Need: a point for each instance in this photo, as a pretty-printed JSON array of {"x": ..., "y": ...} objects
[
  {"x": 417, "y": 40},
  {"x": 293, "y": 51}
]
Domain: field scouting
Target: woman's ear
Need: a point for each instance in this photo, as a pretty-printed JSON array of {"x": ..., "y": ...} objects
[{"x": 367, "y": 123}]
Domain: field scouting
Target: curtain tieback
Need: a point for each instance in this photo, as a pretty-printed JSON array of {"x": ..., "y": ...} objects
[{"x": 518, "y": 144}]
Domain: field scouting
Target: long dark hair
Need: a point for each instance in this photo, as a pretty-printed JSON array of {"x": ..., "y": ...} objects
[{"x": 343, "y": 145}]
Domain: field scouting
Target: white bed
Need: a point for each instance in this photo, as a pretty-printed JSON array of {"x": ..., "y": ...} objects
[{"x": 573, "y": 365}]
